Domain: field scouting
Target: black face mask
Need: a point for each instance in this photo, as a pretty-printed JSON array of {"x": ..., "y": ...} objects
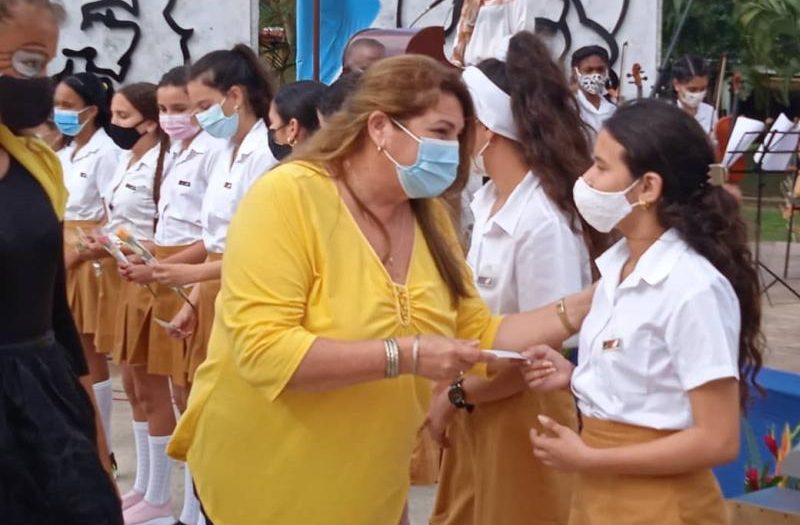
[
  {"x": 125, "y": 138},
  {"x": 25, "y": 102},
  {"x": 279, "y": 151}
]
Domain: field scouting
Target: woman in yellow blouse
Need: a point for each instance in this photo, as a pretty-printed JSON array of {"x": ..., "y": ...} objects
[{"x": 307, "y": 407}]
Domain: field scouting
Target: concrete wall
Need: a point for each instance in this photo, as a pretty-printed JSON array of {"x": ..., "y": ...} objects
[
  {"x": 640, "y": 27},
  {"x": 108, "y": 42}
]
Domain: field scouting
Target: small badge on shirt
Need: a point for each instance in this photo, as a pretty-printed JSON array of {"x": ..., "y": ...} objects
[
  {"x": 228, "y": 185},
  {"x": 130, "y": 186},
  {"x": 486, "y": 282},
  {"x": 84, "y": 175},
  {"x": 185, "y": 183},
  {"x": 612, "y": 344}
]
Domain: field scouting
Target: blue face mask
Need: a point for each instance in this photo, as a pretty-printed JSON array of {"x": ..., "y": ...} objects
[
  {"x": 68, "y": 121},
  {"x": 435, "y": 169},
  {"x": 216, "y": 123}
]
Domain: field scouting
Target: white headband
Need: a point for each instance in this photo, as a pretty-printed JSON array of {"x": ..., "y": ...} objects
[{"x": 492, "y": 104}]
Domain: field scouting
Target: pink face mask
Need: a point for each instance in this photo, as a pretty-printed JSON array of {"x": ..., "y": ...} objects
[{"x": 179, "y": 127}]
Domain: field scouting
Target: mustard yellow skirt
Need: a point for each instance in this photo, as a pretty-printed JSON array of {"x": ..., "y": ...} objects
[
  {"x": 108, "y": 302},
  {"x": 606, "y": 499},
  {"x": 455, "y": 494},
  {"x": 205, "y": 321},
  {"x": 83, "y": 286},
  {"x": 166, "y": 305},
  {"x": 132, "y": 330},
  {"x": 425, "y": 459},
  {"x": 491, "y": 474}
]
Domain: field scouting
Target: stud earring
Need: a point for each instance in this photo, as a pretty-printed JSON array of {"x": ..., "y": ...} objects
[{"x": 644, "y": 204}]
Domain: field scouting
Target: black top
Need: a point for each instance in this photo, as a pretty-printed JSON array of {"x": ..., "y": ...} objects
[{"x": 33, "y": 297}]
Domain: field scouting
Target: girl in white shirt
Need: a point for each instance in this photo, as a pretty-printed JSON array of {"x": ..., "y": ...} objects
[
  {"x": 528, "y": 249},
  {"x": 232, "y": 92},
  {"x": 82, "y": 113},
  {"x": 145, "y": 371},
  {"x": 690, "y": 78},
  {"x": 178, "y": 233},
  {"x": 672, "y": 343},
  {"x": 590, "y": 71}
]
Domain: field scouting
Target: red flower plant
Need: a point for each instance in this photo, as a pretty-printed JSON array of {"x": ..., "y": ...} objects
[{"x": 771, "y": 443}]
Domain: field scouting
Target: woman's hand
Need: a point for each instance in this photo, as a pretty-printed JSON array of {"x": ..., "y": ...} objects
[
  {"x": 184, "y": 323},
  {"x": 140, "y": 273},
  {"x": 174, "y": 275},
  {"x": 440, "y": 414},
  {"x": 563, "y": 449},
  {"x": 445, "y": 359},
  {"x": 546, "y": 369}
]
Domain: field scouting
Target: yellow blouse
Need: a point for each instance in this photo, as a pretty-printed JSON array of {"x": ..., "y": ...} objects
[
  {"x": 297, "y": 267},
  {"x": 40, "y": 161}
]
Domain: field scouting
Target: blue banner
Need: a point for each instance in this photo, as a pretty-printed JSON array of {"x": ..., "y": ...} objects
[{"x": 339, "y": 20}]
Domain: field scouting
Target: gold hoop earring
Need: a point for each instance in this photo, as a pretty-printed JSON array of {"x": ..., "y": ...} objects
[{"x": 644, "y": 204}]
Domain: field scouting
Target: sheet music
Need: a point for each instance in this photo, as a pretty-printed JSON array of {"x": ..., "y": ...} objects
[
  {"x": 778, "y": 140},
  {"x": 745, "y": 132}
]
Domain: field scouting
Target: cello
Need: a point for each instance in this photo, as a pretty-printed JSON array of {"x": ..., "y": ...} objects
[{"x": 724, "y": 130}]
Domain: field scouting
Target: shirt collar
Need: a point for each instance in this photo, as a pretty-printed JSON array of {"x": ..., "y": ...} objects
[
  {"x": 653, "y": 267},
  {"x": 507, "y": 218},
  {"x": 255, "y": 140},
  {"x": 96, "y": 142},
  {"x": 149, "y": 160},
  {"x": 199, "y": 145},
  {"x": 605, "y": 105}
]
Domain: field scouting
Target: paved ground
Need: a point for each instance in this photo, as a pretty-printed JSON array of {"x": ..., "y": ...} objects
[{"x": 782, "y": 328}]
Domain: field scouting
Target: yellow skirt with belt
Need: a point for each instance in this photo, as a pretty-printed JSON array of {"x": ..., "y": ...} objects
[
  {"x": 108, "y": 302},
  {"x": 607, "y": 499},
  {"x": 83, "y": 285},
  {"x": 205, "y": 320},
  {"x": 166, "y": 305},
  {"x": 490, "y": 475}
]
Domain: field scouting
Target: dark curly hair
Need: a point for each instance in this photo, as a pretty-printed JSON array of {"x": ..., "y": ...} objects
[
  {"x": 658, "y": 137},
  {"x": 551, "y": 132}
]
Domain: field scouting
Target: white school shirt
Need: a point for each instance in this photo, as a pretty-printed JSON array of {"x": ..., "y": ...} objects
[
  {"x": 130, "y": 201},
  {"x": 494, "y": 25},
  {"x": 593, "y": 116},
  {"x": 706, "y": 116},
  {"x": 229, "y": 183},
  {"x": 183, "y": 189},
  {"x": 673, "y": 325},
  {"x": 526, "y": 255},
  {"x": 87, "y": 175}
]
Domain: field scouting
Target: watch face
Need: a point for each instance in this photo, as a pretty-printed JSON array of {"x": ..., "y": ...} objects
[{"x": 456, "y": 395}]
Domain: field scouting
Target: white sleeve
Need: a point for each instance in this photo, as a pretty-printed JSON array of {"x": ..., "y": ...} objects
[
  {"x": 105, "y": 169},
  {"x": 703, "y": 335},
  {"x": 547, "y": 265}
]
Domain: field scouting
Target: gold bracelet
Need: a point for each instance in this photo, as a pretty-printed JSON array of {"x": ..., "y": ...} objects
[{"x": 561, "y": 308}]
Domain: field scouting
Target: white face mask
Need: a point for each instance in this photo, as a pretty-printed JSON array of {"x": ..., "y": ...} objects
[
  {"x": 478, "y": 164},
  {"x": 692, "y": 100},
  {"x": 594, "y": 84},
  {"x": 602, "y": 209}
]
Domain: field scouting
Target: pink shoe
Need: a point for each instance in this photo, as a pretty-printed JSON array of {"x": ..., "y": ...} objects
[
  {"x": 144, "y": 513},
  {"x": 131, "y": 498}
]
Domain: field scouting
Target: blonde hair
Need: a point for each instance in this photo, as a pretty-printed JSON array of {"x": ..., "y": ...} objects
[{"x": 402, "y": 87}]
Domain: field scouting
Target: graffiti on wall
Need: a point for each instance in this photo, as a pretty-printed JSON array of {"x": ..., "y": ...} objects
[{"x": 122, "y": 20}]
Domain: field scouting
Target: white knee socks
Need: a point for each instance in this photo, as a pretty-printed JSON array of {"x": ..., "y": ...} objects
[
  {"x": 160, "y": 469},
  {"x": 191, "y": 507},
  {"x": 104, "y": 395},
  {"x": 140, "y": 437}
]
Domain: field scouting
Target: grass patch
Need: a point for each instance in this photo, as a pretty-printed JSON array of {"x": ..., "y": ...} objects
[{"x": 773, "y": 226}]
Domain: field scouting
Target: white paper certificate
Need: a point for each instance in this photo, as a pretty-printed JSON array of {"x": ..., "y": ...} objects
[{"x": 505, "y": 354}]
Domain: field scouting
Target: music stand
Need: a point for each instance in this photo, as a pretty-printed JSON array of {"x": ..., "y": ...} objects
[{"x": 759, "y": 172}]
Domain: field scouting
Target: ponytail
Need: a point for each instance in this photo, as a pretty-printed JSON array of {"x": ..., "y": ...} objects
[
  {"x": 551, "y": 132},
  {"x": 660, "y": 138},
  {"x": 240, "y": 66}
]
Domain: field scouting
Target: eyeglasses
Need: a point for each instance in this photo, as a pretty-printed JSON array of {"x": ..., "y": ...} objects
[{"x": 29, "y": 64}]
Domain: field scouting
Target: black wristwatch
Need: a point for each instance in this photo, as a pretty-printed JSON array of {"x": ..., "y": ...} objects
[{"x": 458, "y": 397}]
